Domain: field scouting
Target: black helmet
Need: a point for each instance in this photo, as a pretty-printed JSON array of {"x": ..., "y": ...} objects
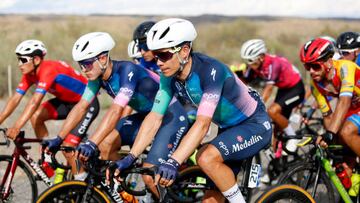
[
  {"x": 141, "y": 31},
  {"x": 348, "y": 41}
]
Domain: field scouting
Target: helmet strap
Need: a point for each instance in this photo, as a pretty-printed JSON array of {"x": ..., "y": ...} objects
[
  {"x": 182, "y": 62},
  {"x": 103, "y": 67}
]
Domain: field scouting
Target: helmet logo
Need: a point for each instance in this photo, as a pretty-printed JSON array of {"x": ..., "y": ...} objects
[{"x": 349, "y": 41}]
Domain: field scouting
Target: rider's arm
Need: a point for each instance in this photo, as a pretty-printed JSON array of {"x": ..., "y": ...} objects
[
  {"x": 153, "y": 120},
  {"x": 107, "y": 124},
  {"x": 147, "y": 132},
  {"x": 127, "y": 111},
  {"x": 267, "y": 92},
  {"x": 30, "y": 109},
  {"x": 74, "y": 117},
  {"x": 338, "y": 116},
  {"x": 10, "y": 106},
  {"x": 192, "y": 139}
]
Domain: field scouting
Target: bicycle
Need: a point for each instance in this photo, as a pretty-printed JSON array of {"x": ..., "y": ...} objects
[
  {"x": 187, "y": 187},
  {"x": 284, "y": 194},
  {"x": 18, "y": 182},
  {"x": 317, "y": 175}
]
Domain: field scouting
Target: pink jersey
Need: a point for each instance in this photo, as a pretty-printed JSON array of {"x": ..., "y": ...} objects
[
  {"x": 57, "y": 78},
  {"x": 278, "y": 71}
]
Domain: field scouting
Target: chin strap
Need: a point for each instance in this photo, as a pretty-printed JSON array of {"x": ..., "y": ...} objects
[
  {"x": 103, "y": 67},
  {"x": 183, "y": 62}
]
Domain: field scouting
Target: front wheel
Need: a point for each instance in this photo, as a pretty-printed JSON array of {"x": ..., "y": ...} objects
[
  {"x": 23, "y": 187},
  {"x": 71, "y": 191},
  {"x": 285, "y": 193}
]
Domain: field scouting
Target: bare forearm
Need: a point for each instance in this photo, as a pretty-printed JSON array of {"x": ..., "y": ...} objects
[
  {"x": 28, "y": 112},
  {"x": 338, "y": 117},
  {"x": 191, "y": 141},
  {"x": 107, "y": 124},
  {"x": 267, "y": 92},
  {"x": 10, "y": 107},
  {"x": 147, "y": 132}
]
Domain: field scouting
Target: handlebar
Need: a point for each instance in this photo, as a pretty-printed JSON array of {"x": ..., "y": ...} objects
[
  {"x": 54, "y": 163},
  {"x": 7, "y": 141}
]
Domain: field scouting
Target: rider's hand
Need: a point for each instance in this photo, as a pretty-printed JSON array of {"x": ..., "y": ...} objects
[
  {"x": 12, "y": 133},
  {"x": 167, "y": 172},
  {"x": 86, "y": 150},
  {"x": 325, "y": 139},
  {"x": 120, "y": 165},
  {"x": 52, "y": 145}
]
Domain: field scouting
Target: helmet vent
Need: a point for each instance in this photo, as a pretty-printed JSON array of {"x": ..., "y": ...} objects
[
  {"x": 164, "y": 33},
  {"x": 87, "y": 43}
]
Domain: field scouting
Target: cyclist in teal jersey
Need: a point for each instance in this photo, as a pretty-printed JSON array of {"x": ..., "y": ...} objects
[{"x": 219, "y": 97}]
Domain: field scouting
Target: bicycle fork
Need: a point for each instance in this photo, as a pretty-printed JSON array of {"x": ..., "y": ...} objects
[{"x": 8, "y": 177}]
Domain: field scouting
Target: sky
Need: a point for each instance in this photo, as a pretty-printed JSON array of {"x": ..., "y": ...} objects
[{"x": 291, "y": 8}]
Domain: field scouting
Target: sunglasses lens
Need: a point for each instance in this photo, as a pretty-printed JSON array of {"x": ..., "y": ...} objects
[
  {"x": 345, "y": 53},
  {"x": 164, "y": 56},
  {"x": 23, "y": 60},
  {"x": 87, "y": 64},
  {"x": 314, "y": 66}
]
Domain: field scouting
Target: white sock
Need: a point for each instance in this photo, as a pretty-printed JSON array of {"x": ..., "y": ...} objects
[
  {"x": 233, "y": 195},
  {"x": 81, "y": 176},
  {"x": 289, "y": 131}
]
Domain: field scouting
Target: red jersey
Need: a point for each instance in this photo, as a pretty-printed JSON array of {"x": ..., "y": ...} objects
[
  {"x": 57, "y": 78},
  {"x": 278, "y": 71}
]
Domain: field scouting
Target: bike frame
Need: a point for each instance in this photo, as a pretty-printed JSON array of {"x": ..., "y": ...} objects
[{"x": 20, "y": 151}]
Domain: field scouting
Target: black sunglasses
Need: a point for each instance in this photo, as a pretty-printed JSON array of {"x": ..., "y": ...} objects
[
  {"x": 314, "y": 66},
  {"x": 87, "y": 64}
]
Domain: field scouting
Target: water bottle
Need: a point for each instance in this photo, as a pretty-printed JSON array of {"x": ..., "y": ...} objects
[
  {"x": 355, "y": 181},
  {"x": 343, "y": 176},
  {"x": 128, "y": 198},
  {"x": 59, "y": 175},
  {"x": 48, "y": 169}
]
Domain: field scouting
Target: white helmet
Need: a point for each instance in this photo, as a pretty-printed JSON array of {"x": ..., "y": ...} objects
[
  {"x": 91, "y": 45},
  {"x": 251, "y": 49},
  {"x": 170, "y": 33},
  {"x": 31, "y": 47},
  {"x": 133, "y": 50}
]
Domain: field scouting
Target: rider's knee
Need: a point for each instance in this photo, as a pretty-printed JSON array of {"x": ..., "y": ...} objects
[
  {"x": 274, "y": 110},
  {"x": 208, "y": 156},
  {"x": 148, "y": 180}
]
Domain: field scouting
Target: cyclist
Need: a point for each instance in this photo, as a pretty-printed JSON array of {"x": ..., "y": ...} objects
[
  {"x": 336, "y": 78},
  {"x": 139, "y": 36},
  {"x": 278, "y": 71},
  {"x": 55, "y": 77},
  {"x": 129, "y": 84},
  {"x": 220, "y": 96},
  {"x": 348, "y": 44}
]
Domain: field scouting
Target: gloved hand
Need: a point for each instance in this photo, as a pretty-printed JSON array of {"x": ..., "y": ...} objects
[
  {"x": 168, "y": 171},
  {"x": 52, "y": 145},
  {"x": 87, "y": 149},
  {"x": 328, "y": 137},
  {"x": 120, "y": 165}
]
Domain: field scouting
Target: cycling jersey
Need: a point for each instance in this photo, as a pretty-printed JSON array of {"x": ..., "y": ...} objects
[
  {"x": 151, "y": 65},
  {"x": 278, "y": 71},
  {"x": 129, "y": 84},
  {"x": 345, "y": 82},
  {"x": 57, "y": 78},
  {"x": 213, "y": 88}
]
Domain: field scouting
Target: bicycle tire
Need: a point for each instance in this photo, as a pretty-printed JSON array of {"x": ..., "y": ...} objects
[
  {"x": 303, "y": 172},
  {"x": 71, "y": 191},
  {"x": 182, "y": 190},
  {"x": 18, "y": 185},
  {"x": 285, "y": 193}
]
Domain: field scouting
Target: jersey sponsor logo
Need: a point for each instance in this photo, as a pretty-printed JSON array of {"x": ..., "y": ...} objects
[
  {"x": 213, "y": 74},
  {"x": 42, "y": 84},
  {"x": 130, "y": 75},
  {"x": 267, "y": 125},
  {"x": 126, "y": 91},
  {"x": 224, "y": 148},
  {"x": 210, "y": 96},
  {"x": 246, "y": 143},
  {"x": 344, "y": 71},
  {"x": 85, "y": 124},
  {"x": 21, "y": 84}
]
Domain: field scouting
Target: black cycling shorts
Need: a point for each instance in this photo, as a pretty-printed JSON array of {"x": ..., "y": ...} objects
[{"x": 288, "y": 98}]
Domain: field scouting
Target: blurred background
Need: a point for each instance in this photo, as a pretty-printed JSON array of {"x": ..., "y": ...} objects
[{"x": 222, "y": 25}]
